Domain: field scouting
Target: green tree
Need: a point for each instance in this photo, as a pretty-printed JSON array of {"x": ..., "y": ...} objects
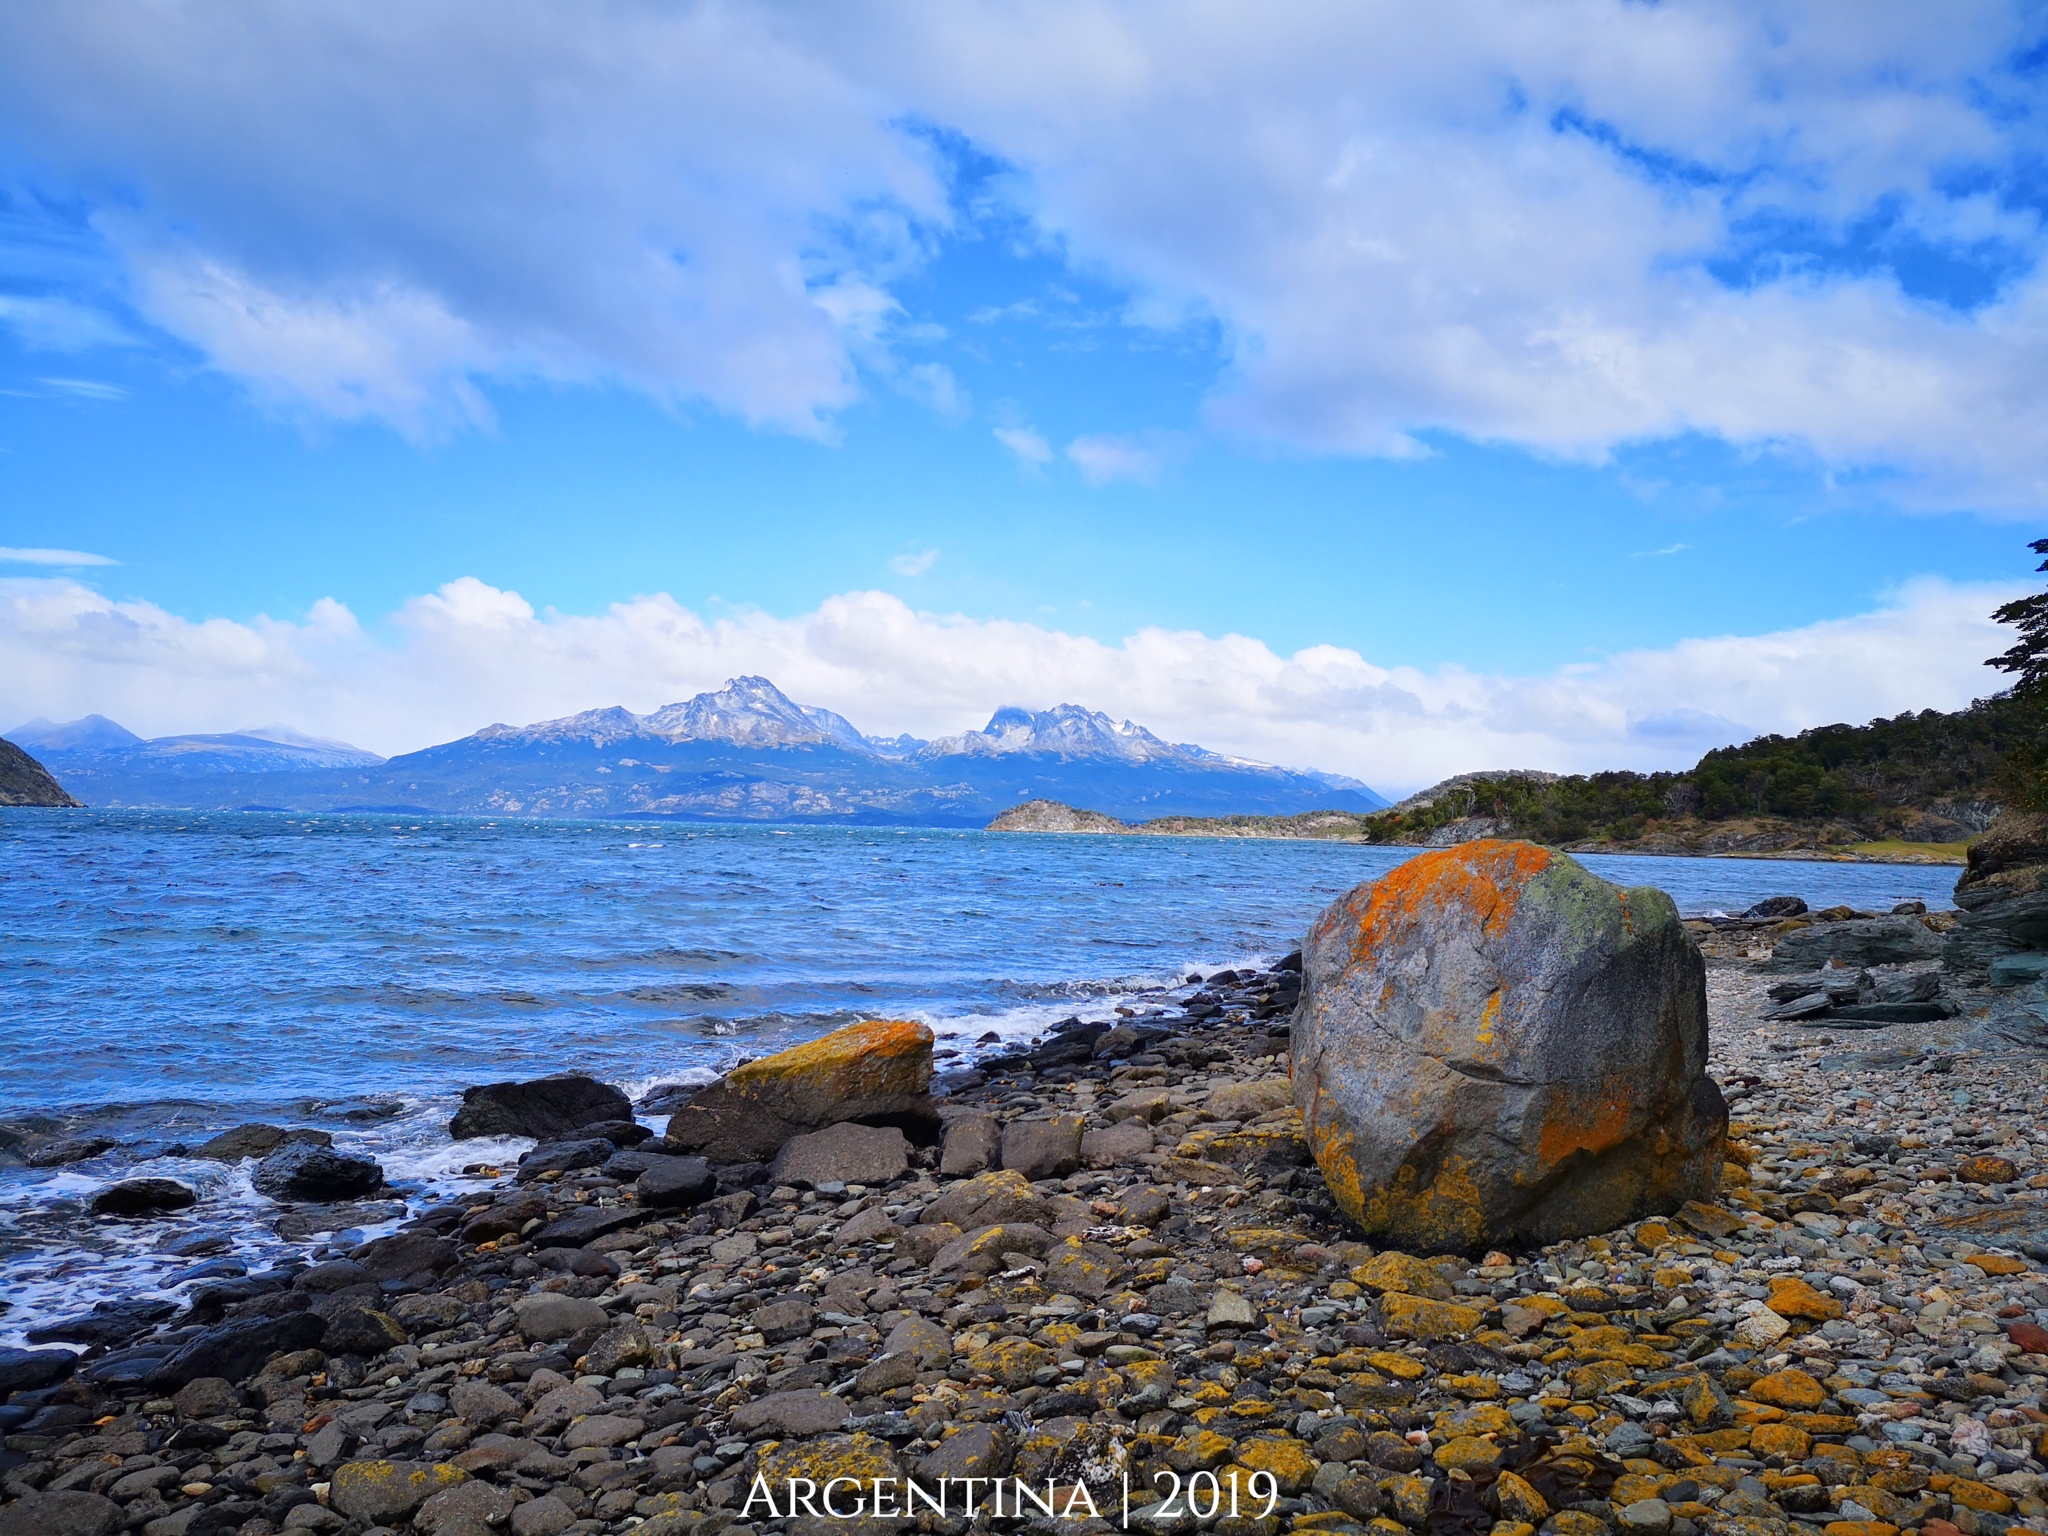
[{"x": 2024, "y": 782}]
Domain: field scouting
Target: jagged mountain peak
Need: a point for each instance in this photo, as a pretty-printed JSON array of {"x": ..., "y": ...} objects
[
  {"x": 1065, "y": 730},
  {"x": 752, "y": 711}
]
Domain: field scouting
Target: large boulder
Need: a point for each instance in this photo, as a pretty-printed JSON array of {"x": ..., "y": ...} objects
[
  {"x": 547, "y": 1108},
  {"x": 1857, "y": 943},
  {"x": 1494, "y": 1045},
  {"x": 305, "y": 1170},
  {"x": 2003, "y": 897},
  {"x": 878, "y": 1073}
]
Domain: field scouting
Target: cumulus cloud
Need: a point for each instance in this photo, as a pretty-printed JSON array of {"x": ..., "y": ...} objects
[
  {"x": 1569, "y": 228},
  {"x": 469, "y": 654}
]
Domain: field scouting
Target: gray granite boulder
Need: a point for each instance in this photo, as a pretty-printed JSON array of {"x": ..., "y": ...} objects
[{"x": 1495, "y": 1045}]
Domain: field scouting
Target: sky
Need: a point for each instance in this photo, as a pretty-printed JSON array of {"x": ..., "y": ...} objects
[{"x": 1390, "y": 390}]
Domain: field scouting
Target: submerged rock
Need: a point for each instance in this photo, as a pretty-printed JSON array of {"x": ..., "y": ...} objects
[
  {"x": 546, "y": 1108},
  {"x": 257, "y": 1140},
  {"x": 877, "y": 1073},
  {"x": 1495, "y": 1045}
]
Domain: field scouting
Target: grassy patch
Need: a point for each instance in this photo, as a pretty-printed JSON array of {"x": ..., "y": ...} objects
[{"x": 1917, "y": 853}]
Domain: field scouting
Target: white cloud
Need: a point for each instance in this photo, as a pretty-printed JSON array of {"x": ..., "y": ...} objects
[
  {"x": 1031, "y": 448},
  {"x": 1478, "y": 217},
  {"x": 52, "y": 557},
  {"x": 915, "y": 563},
  {"x": 470, "y": 654},
  {"x": 933, "y": 386},
  {"x": 1106, "y": 458}
]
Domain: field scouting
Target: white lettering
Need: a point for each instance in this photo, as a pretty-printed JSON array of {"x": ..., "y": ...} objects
[
  {"x": 760, "y": 1491},
  {"x": 1081, "y": 1493},
  {"x": 1023, "y": 1491},
  {"x": 912, "y": 1493},
  {"x": 802, "y": 1501},
  {"x": 885, "y": 1504},
  {"x": 842, "y": 1514}
]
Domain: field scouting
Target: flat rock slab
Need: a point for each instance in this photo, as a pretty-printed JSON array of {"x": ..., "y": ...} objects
[
  {"x": 796, "y": 1414},
  {"x": 843, "y": 1154},
  {"x": 579, "y": 1229},
  {"x": 546, "y": 1318}
]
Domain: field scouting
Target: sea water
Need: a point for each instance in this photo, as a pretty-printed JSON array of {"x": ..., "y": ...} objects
[{"x": 166, "y": 975}]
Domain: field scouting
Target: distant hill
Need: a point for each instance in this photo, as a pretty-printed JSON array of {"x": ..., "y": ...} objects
[
  {"x": 745, "y": 752},
  {"x": 1927, "y": 781},
  {"x": 24, "y": 781}
]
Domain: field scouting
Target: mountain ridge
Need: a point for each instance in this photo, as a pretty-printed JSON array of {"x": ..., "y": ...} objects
[{"x": 745, "y": 752}]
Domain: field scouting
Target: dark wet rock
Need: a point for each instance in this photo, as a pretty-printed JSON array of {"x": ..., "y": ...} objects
[
  {"x": 305, "y": 1170},
  {"x": 564, "y": 1157},
  {"x": 23, "y": 1370},
  {"x": 143, "y": 1197},
  {"x": 1496, "y": 1045},
  {"x": 257, "y": 1140},
  {"x": 404, "y": 1255},
  {"x": 1856, "y": 943},
  {"x": 673, "y": 1183},
  {"x": 580, "y": 1228},
  {"x": 108, "y": 1323},
  {"x": 72, "y": 1149},
  {"x": 234, "y": 1350},
  {"x": 877, "y": 1073},
  {"x": 1778, "y": 907},
  {"x": 543, "y": 1108},
  {"x": 845, "y": 1154},
  {"x": 620, "y": 1133}
]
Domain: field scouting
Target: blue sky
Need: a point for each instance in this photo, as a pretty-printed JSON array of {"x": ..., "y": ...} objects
[{"x": 1480, "y": 373}]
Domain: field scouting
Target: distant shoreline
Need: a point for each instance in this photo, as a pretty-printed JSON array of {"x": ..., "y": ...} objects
[{"x": 1048, "y": 817}]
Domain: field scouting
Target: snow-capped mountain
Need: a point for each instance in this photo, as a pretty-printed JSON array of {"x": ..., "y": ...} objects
[
  {"x": 743, "y": 752},
  {"x": 260, "y": 749}
]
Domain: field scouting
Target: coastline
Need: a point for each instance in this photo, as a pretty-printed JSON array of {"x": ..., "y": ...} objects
[
  {"x": 595, "y": 1364},
  {"x": 1052, "y": 817}
]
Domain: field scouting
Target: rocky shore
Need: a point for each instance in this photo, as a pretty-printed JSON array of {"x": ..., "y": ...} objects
[{"x": 1108, "y": 1261}]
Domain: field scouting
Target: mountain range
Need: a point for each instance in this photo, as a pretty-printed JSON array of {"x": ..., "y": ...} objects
[{"x": 746, "y": 752}]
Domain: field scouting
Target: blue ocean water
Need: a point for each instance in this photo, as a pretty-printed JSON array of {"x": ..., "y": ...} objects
[{"x": 165, "y": 975}]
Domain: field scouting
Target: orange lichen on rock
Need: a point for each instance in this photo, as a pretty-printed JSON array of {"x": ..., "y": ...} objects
[{"x": 1495, "y": 1045}]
